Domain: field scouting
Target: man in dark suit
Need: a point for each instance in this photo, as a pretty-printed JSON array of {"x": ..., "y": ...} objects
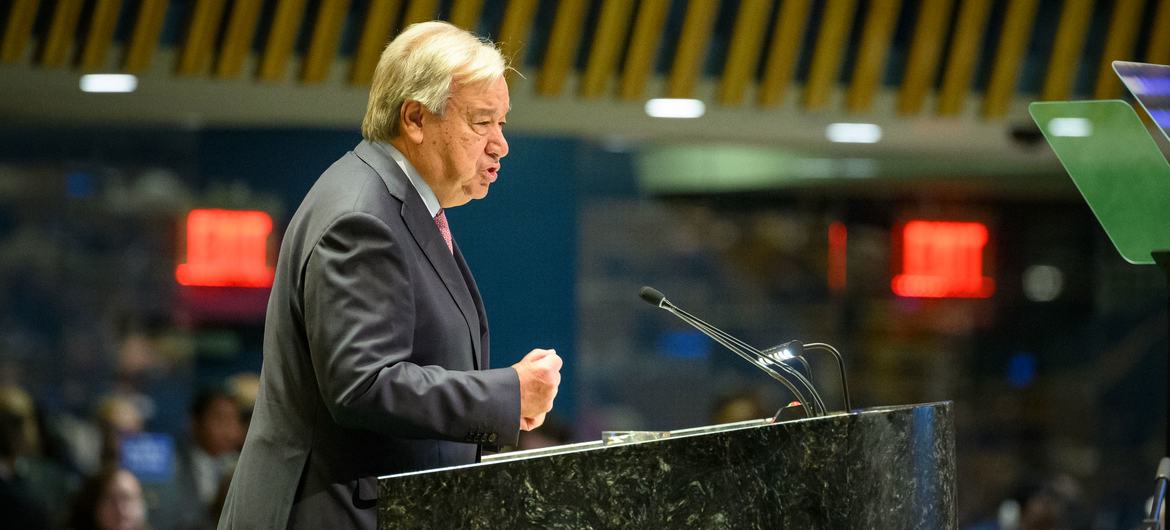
[{"x": 376, "y": 342}]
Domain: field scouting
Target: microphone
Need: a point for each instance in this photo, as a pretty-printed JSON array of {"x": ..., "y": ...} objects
[
  {"x": 795, "y": 382},
  {"x": 652, "y": 295},
  {"x": 656, "y": 298}
]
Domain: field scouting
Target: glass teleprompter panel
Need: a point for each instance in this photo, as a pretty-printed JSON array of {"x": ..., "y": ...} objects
[
  {"x": 1114, "y": 162},
  {"x": 1150, "y": 85}
]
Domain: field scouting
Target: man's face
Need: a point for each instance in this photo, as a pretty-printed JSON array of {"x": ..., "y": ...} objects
[
  {"x": 219, "y": 430},
  {"x": 461, "y": 150}
]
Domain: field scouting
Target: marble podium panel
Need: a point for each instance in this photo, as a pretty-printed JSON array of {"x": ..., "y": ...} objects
[{"x": 886, "y": 467}]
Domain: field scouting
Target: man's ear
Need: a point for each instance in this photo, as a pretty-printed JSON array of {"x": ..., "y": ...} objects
[{"x": 411, "y": 120}]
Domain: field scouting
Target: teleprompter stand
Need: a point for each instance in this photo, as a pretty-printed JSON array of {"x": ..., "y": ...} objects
[{"x": 1122, "y": 174}]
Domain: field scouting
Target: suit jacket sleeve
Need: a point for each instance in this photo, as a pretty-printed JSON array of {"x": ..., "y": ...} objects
[{"x": 359, "y": 322}]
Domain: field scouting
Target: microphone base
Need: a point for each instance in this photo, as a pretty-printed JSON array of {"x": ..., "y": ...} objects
[{"x": 792, "y": 411}]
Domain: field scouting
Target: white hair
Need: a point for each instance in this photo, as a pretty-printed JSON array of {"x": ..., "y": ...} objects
[{"x": 420, "y": 64}]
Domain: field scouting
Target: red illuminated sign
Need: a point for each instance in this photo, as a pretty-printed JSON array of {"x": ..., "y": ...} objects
[
  {"x": 838, "y": 238},
  {"x": 226, "y": 248},
  {"x": 943, "y": 259}
]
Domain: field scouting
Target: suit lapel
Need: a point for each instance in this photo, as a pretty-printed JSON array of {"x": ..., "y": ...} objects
[
  {"x": 422, "y": 228},
  {"x": 485, "y": 349}
]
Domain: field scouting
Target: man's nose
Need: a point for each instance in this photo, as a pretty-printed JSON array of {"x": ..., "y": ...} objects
[{"x": 497, "y": 147}]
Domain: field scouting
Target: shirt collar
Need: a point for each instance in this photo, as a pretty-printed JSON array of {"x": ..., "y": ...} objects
[{"x": 412, "y": 174}]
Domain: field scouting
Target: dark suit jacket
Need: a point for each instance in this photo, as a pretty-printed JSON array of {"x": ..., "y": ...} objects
[{"x": 375, "y": 357}]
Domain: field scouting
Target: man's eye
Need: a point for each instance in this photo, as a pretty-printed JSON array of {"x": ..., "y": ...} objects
[{"x": 483, "y": 123}]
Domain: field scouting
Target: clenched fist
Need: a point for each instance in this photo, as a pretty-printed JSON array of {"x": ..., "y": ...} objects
[{"x": 540, "y": 375}]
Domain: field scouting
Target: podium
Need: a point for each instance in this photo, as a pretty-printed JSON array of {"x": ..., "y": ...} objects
[{"x": 886, "y": 467}]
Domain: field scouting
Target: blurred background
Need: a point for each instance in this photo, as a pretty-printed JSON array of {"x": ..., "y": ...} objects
[{"x": 807, "y": 152}]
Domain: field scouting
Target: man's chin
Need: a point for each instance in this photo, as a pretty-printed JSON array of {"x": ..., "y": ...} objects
[{"x": 477, "y": 192}]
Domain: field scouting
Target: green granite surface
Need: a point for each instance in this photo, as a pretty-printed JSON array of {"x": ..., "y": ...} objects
[{"x": 891, "y": 467}]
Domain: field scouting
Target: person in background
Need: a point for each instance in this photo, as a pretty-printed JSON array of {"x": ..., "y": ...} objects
[
  {"x": 190, "y": 500},
  {"x": 31, "y": 485},
  {"x": 376, "y": 346},
  {"x": 1054, "y": 503},
  {"x": 117, "y": 417},
  {"x": 218, "y": 434},
  {"x": 244, "y": 387},
  {"x": 109, "y": 500},
  {"x": 19, "y": 507},
  {"x": 738, "y": 406}
]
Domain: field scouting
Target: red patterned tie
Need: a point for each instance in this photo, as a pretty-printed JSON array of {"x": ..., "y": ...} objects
[{"x": 441, "y": 222}]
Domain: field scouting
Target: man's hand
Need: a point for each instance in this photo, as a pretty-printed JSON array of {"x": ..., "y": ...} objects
[{"x": 540, "y": 375}]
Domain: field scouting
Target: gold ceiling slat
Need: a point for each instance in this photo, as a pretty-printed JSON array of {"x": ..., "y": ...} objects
[
  {"x": 1119, "y": 46},
  {"x": 922, "y": 65},
  {"x": 380, "y": 19},
  {"x": 784, "y": 50},
  {"x": 963, "y": 56},
  {"x": 465, "y": 13},
  {"x": 643, "y": 45},
  {"x": 607, "y": 42},
  {"x": 237, "y": 39},
  {"x": 195, "y": 57},
  {"x": 18, "y": 30},
  {"x": 1067, "y": 49},
  {"x": 744, "y": 53},
  {"x": 325, "y": 40},
  {"x": 420, "y": 11},
  {"x": 692, "y": 48},
  {"x": 144, "y": 39},
  {"x": 282, "y": 37},
  {"x": 103, "y": 21},
  {"x": 1159, "y": 48},
  {"x": 514, "y": 30},
  {"x": 562, "y": 47},
  {"x": 1005, "y": 69},
  {"x": 59, "y": 42},
  {"x": 826, "y": 61},
  {"x": 872, "y": 51}
]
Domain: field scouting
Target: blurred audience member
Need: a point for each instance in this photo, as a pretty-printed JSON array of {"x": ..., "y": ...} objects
[
  {"x": 117, "y": 417},
  {"x": 110, "y": 500},
  {"x": 244, "y": 387},
  {"x": 1054, "y": 504},
  {"x": 202, "y": 464},
  {"x": 218, "y": 434},
  {"x": 18, "y": 506},
  {"x": 739, "y": 406},
  {"x": 16, "y": 401},
  {"x": 31, "y": 486}
]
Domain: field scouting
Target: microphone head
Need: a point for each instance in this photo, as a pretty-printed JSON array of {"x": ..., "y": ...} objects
[
  {"x": 1164, "y": 468},
  {"x": 652, "y": 296}
]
